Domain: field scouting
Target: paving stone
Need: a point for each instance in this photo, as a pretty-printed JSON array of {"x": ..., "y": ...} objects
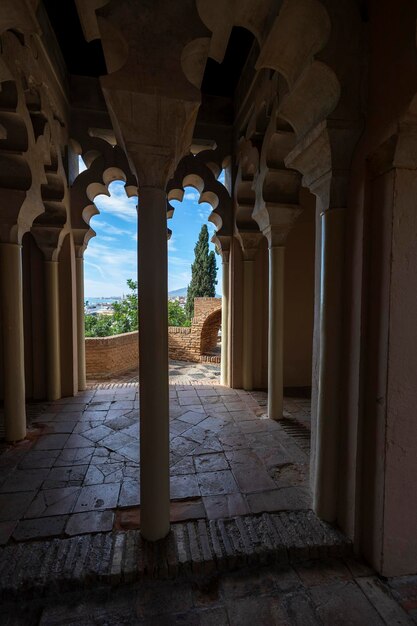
[
  {"x": 74, "y": 456},
  {"x": 6, "y": 530},
  {"x": 227, "y": 505},
  {"x": 101, "y": 405},
  {"x": 51, "y": 442},
  {"x": 94, "y": 416},
  {"x": 50, "y": 502},
  {"x": 182, "y": 446},
  {"x": 300, "y": 609},
  {"x": 317, "y": 573},
  {"x": 291, "y": 498},
  {"x": 60, "y": 426},
  {"x": 40, "y": 528},
  {"x": 164, "y": 598},
  {"x": 97, "y": 497},
  {"x": 184, "y": 486},
  {"x": 251, "y": 478},
  {"x": 104, "y": 473},
  {"x": 89, "y": 522},
  {"x": 116, "y": 440},
  {"x": 192, "y": 417},
  {"x": 129, "y": 493},
  {"x": 210, "y": 462},
  {"x": 216, "y": 616},
  {"x": 343, "y": 603},
  {"x": 189, "y": 510},
  {"x": 24, "y": 480},
  {"x": 130, "y": 451},
  {"x": 245, "y": 583},
  {"x": 183, "y": 466},
  {"x": 379, "y": 596},
  {"x": 14, "y": 505},
  {"x": 97, "y": 433},
  {"x": 65, "y": 477},
  {"x": 249, "y": 611},
  {"x": 217, "y": 483}
]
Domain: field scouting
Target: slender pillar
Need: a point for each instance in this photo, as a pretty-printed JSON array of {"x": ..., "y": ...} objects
[
  {"x": 224, "y": 365},
  {"x": 79, "y": 267},
  {"x": 247, "y": 324},
  {"x": 276, "y": 333},
  {"x": 327, "y": 436},
  {"x": 53, "y": 350},
  {"x": 13, "y": 341},
  {"x": 153, "y": 363}
]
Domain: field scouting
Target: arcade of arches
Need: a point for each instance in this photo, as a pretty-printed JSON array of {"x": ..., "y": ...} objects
[{"x": 310, "y": 107}]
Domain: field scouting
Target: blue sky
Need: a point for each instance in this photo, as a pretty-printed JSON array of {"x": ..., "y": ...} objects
[{"x": 110, "y": 258}]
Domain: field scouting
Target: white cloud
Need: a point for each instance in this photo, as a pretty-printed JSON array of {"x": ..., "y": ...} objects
[
  {"x": 110, "y": 229},
  {"x": 171, "y": 244},
  {"x": 191, "y": 194},
  {"x": 178, "y": 261}
]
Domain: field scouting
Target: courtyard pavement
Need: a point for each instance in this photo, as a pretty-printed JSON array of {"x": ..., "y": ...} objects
[{"x": 78, "y": 470}]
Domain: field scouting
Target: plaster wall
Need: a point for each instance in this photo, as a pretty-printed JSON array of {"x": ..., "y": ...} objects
[{"x": 376, "y": 496}]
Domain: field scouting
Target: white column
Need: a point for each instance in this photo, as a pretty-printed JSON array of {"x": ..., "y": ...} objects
[
  {"x": 79, "y": 266},
  {"x": 53, "y": 349},
  {"x": 327, "y": 436},
  {"x": 224, "y": 365},
  {"x": 276, "y": 333},
  {"x": 13, "y": 341},
  {"x": 153, "y": 363},
  {"x": 247, "y": 373}
]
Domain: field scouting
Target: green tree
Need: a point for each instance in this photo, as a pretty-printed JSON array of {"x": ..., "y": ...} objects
[
  {"x": 124, "y": 318},
  {"x": 203, "y": 272},
  {"x": 126, "y": 312},
  {"x": 99, "y": 326},
  {"x": 176, "y": 314}
]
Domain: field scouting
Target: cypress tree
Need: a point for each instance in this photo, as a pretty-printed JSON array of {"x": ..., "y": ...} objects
[{"x": 203, "y": 272}]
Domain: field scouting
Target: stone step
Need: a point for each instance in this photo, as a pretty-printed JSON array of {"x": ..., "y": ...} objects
[{"x": 193, "y": 549}]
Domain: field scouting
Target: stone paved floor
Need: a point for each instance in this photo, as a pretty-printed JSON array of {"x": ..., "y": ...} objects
[
  {"x": 79, "y": 467},
  {"x": 334, "y": 592},
  {"x": 180, "y": 373}
]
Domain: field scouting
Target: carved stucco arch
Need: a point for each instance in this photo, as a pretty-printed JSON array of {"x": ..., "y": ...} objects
[
  {"x": 103, "y": 170},
  {"x": 201, "y": 172},
  {"x": 32, "y": 139}
]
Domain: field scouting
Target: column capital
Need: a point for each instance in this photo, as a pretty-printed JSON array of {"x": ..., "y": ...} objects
[
  {"x": 276, "y": 220},
  {"x": 156, "y": 136},
  {"x": 222, "y": 243},
  {"x": 49, "y": 240},
  {"x": 249, "y": 241}
]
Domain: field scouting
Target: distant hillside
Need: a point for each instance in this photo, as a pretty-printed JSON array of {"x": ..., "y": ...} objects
[
  {"x": 182, "y": 292},
  {"x": 178, "y": 292}
]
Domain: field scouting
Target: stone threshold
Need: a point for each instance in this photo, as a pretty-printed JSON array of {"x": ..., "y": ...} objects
[{"x": 194, "y": 549}]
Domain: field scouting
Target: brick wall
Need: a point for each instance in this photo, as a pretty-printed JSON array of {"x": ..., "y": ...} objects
[{"x": 107, "y": 357}]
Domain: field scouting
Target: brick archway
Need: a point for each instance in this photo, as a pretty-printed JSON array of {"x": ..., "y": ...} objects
[{"x": 209, "y": 333}]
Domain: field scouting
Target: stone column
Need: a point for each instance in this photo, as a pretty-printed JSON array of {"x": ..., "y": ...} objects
[
  {"x": 13, "y": 341},
  {"x": 247, "y": 321},
  {"x": 327, "y": 431},
  {"x": 276, "y": 333},
  {"x": 224, "y": 366},
  {"x": 153, "y": 363},
  {"x": 79, "y": 268},
  {"x": 249, "y": 241},
  {"x": 53, "y": 349}
]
